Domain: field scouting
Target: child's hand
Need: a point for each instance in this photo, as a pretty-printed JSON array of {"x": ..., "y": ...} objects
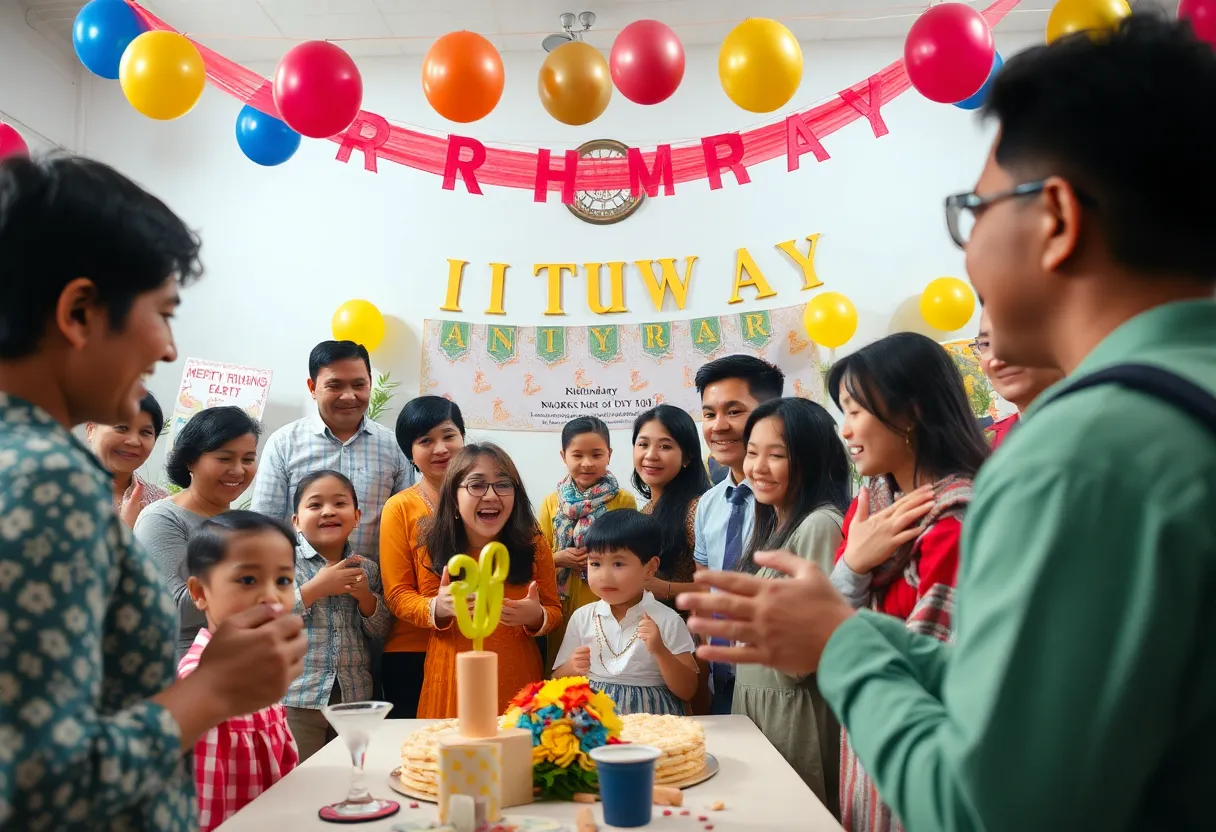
[
  {"x": 337, "y": 578},
  {"x": 572, "y": 558},
  {"x": 581, "y": 660},
  {"x": 649, "y": 633}
]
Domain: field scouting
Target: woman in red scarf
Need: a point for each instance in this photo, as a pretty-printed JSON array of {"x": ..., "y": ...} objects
[{"x": 910, "y": 430}]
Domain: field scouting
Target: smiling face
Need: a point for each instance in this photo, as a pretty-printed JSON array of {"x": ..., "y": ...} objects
[
  {"x": 586, "y": 459},
  {"x": 485, "y": 516},
  {"x": 1017, "y": 385},
  {"x": 434, "y": 450},
  {"x": 222, "y": 475},
  {"x": 258, "y": 568},
  {"x": 875, "y": 448},
  {"x": 725, "y": 406},
  {"x": 327, "y": 515},
  {"x": 619, "y": 576},
  {"x": 657, "y": 457},
  {"x": 124, "y": 447},
  {"x": 342, "y": 391},
  {"x": 767, "y": 463}
]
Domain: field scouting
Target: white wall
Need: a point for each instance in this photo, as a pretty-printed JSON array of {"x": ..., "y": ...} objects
[
  {"x": 39, "y": 85},
  {"x": 284, "y": 247}
]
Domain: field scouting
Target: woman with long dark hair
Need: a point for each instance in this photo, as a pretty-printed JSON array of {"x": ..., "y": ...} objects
[
  {"x": 910, "y": 430},
  {"x": 798, "y": 470},
  {"x": 668, "y": 471}
]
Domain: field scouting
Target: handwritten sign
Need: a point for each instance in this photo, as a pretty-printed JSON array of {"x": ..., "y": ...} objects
[{"x": 212, "y": 384}]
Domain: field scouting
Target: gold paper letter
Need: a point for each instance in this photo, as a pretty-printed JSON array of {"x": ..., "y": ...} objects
[
  {"x": 670, "y": 280},
  {"x": 809, "y": 279},
  {"x": 705, "y": 335},
  {"x": 601, "y": 336},
  {"x": 654, "y": 336},
  {"x": 455, "y": 274},
  {"x": 755, "y": 326},
  {"x": 454, "y": 339},
  {"x": 755, "y": 278},
  {"x": 497, "y": 336},
  {"x": 616, "y": 278},
  {"x": 555, "y": 271},
  {"x": 498, "y": 280}
]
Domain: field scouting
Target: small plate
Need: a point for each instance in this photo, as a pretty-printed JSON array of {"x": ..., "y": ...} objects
[{"x": 394, "y": 783}]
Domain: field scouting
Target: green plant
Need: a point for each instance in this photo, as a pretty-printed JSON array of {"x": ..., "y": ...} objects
[{"x": 383, "y": 393}]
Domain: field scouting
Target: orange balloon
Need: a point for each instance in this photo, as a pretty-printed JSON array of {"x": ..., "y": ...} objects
[
  {"x": 575, "y": 83},
  {"x": 462, "y": 77}
]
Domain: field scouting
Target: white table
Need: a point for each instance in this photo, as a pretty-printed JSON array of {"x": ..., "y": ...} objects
[{"x": 759, "y": 789}]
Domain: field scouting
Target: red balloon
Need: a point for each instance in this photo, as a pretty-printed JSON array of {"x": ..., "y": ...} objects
[
  {"x": 949, "y": 53},
  {"x": 11, "y": 143},
  {"x": 318, "y": 89},
  {"x": 1202, "y": 15},
  {"x": 647, "y": 62}
]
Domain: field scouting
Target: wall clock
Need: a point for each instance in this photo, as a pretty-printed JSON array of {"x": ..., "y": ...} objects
[{"x": 603, "y": 207}]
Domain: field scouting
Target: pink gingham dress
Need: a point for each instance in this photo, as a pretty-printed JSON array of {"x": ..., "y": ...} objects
[{"x": 238, "y": 759}]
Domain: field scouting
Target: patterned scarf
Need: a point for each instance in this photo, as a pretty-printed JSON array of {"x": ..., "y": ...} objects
[{"x": 575, "y": 511}]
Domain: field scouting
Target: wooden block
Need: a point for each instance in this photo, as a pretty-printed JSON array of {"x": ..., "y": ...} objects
[
  {"x": 477, "y": 693},
  {"x": 472, "y": 768},
  {"x": 516, "y": 757}
]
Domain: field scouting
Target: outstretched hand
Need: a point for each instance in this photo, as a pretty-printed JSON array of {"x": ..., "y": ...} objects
[{"x": 526, "y": 612}]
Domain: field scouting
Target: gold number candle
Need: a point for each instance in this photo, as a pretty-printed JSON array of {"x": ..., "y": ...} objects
[{"x": 485, "y": 580}]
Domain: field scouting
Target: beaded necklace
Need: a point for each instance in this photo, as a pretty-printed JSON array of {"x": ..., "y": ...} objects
[{"x": 601, "y": 640}]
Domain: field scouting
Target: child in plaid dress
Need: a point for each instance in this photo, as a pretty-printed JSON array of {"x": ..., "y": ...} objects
[{"x": 237, "y": 560}]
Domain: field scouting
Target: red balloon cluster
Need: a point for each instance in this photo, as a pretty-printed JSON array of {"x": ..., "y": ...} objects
[
  {"x": 462, "y": 77},
  {"x": 949, "y": 53},
  {"x": 11, "y": 143},
  {"x": 1202, "y": 15},
  {"x": 318, "y": 89},
  {"x": 647, "y": 62}
]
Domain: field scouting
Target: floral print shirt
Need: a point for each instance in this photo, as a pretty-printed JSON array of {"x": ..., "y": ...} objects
[{"x": 87, "y": 635}]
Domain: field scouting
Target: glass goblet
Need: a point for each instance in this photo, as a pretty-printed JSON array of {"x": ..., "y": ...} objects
[{"x": 355, "y": 722}]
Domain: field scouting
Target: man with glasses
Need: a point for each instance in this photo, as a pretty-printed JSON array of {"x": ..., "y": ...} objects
[
  {"x": 1080, "y": 691},
  {"x": 1019, "y": 386}
]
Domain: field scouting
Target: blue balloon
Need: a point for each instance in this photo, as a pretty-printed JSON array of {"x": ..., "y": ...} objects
[
  {"x": 264, "y": 139},
  {"x": 103, "y": 31},
  {"x": 976, "y": 100}
]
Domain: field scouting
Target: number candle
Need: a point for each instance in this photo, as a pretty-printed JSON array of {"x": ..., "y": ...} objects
[{"x": 484, "y": 580}]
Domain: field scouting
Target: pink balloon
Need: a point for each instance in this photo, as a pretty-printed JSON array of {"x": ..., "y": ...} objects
[
  {"x": 1202, "y": 15},
  {"x": 318, "y": 89},
  {"x": 949, "y": 52},
  {"x": 647, "y": 62},
  {"x": 11, "y": 143}
]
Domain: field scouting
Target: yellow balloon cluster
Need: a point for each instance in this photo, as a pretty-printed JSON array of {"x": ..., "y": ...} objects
[
  {"x": 830, "y": 319},
  {"x": 760, "y": 65},
  {"x": 359, "y": 321},
  {"x": 947, "y": 304},
  {"x": 485, "y": 580},
  {"x": 1094, "y": 16},
  {"x": 162, "y": 75}
]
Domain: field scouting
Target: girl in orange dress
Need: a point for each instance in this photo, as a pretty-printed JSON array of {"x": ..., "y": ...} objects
[{"x": 482, "y": 500}]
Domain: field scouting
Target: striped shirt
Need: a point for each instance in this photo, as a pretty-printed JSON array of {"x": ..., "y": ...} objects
[
  {"x": 371, "y": 458},
  {"x": 337, "y": 636}
]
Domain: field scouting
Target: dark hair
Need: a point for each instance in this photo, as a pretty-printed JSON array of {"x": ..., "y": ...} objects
[
  {"x": 316, "y": 476},
  {"x": 65, "y": 217},
  {"x": 209, "y": 541},
  {"x": 819, "y": 473},
  {"x": 625, "y": 528},
  {"x": 1059, "y": 105},
  {"x": 909, "y": 378},
  {"x": 148, "y": 404},
  {"x": 671, "y": 510},
  {"x": 445, "y": 535},
  {"x": 328, "y": 352},
  {"x": 764, "y": 381},
  {"x": 585, "y": 424},
  {"x": 422, "y": 415},
  {"x": 206, "y": 431}
]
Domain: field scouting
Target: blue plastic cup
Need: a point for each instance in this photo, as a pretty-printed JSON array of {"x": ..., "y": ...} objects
[{"x": 626, "y": 774}]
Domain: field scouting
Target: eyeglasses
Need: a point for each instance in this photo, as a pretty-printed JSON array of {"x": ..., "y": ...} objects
[
  {"x": 480, "y": 488},
  {"x": 962, "y": 210},
  {"x": 980, "y": 347}
]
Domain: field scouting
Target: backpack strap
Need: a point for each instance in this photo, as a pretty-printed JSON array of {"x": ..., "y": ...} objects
[{"x": 1157, "y": 382}]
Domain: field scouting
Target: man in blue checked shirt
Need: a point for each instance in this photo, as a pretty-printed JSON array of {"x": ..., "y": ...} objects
[{"x": 339, "y": 437}]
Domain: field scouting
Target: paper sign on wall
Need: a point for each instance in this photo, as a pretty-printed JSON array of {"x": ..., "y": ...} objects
[{"x": 212, "y": 384}]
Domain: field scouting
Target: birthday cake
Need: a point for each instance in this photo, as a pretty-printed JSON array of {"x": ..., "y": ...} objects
[
  {"x": 420, "y": 757},
  {"x": 682, "y": 741}
]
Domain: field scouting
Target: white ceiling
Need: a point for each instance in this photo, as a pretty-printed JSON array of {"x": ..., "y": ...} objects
[{"x": 251, "y": 30}]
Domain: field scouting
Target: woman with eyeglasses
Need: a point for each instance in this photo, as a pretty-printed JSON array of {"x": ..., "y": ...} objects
[{"x": 482, "y": 500}]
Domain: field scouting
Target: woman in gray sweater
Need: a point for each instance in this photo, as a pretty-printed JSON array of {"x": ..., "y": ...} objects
[{"x": 213, "y": 460}]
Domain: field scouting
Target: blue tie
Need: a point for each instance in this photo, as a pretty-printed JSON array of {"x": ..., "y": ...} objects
[{"x": 731, "y": 554}]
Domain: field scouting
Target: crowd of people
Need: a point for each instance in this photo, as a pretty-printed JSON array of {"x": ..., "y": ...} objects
[{"x": 971, "y": 641}]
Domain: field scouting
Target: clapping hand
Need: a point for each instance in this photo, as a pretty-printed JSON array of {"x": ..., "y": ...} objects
[
  {"x": 874, "y": 538},
  {"x": 342, "y": 577},
  {"x": 573, "y": 558},
  {"x": 648, "y": 632},
  {"x": 526, "y": 612},
  {"x": 580, "y": 662}
]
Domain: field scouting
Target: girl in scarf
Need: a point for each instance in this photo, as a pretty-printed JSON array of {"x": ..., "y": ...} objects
[
  {"x": 586, "y": 492},
  {"x": 909, "y": 429}
]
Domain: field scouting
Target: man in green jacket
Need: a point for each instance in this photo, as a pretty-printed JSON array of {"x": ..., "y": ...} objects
[{"x": 1080, "y": 691}]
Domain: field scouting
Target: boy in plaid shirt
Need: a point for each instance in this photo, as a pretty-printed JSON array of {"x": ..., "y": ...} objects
[{"x": 237, "y": 560}]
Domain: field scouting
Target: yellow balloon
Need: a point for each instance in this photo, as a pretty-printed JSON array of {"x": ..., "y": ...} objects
[
  {"x": 575, "y": 83},
  {"x": 947, "y": 304},
  {"x": 1070, "y": 16},
  {"x": 359, "y": 321},
  {"x": 760, "y": 65},
  {"x": 830, "y": 319},
  {"x": 162, "y": 75}
]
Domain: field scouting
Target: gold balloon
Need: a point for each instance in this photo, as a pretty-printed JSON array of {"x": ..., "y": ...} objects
[
  {"x": 760, "y": 65},
  {"x": 162, "y": 75},
  {"x": 575, "y": 84},
  {"x": 1096, "y": 16}
]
